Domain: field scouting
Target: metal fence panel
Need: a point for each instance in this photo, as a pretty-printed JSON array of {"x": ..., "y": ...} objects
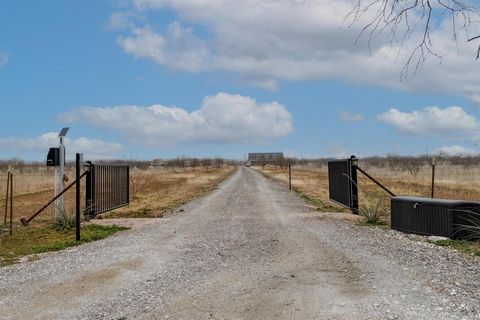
[
  {"x": 107, "y": 188},
  {"x": 338, "y": 184},
  {"x": 342, "y": 183}
]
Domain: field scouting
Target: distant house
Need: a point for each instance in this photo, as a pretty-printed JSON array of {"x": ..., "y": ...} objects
[
  {"x": 157, "y": 163},
  {"x": 264, "y": 158}
]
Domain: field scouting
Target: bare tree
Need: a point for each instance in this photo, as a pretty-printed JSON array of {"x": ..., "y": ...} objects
[
  {"x": 403, "y": 18},
  {"x": 139, "y": 180},
  {"x": 195, "y": 163}
]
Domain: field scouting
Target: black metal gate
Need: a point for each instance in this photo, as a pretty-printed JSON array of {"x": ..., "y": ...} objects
[
  {"x": 107, "y": 188},
  {"x": 342, "y": 182}
]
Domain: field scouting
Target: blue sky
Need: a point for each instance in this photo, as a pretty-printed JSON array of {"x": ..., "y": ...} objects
[{"x": 157, "y": 79}]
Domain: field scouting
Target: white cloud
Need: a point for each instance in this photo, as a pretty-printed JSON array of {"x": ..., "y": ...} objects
[
  {"x": 452, "y": 122},
  {"x": 298, "y": 155},
  {"x": 455, "y": 150},
  {"x": 91, "y": 148},
  {"x": 339, "y": 151},
  {"x": 4, "y": 58},
  {"x": 347, "y": 116},
  {"x": 221, "y": 118},
  {"x": 120, "y": 21},
  {"x": 178, "y": 49},
  {"x": 258, "y": 41}
]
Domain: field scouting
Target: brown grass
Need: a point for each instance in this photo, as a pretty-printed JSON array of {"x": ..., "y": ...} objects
[
  {"x": 312, "y": 183},
  {"x": 152, "y": 192},
  {"x": 161, "y": 189}
]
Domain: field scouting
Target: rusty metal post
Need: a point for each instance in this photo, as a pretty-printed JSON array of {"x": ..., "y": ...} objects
[
  {"x": 290, "y": 177},
  {"x": 433, "y": 177},
  {"x": 11, "y": 203}
]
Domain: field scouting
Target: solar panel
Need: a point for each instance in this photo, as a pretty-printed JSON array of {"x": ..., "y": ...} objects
[{"x": 63, "y": 132}]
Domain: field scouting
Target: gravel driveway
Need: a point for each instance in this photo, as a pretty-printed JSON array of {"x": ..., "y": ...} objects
[{"x": 249, "y": 250}]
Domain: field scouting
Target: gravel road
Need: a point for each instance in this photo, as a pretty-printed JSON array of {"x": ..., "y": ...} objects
[{"x": 249, "y": 250}]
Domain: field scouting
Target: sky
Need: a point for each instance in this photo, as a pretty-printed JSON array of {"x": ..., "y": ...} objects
[{"x": 145, "y": 79}]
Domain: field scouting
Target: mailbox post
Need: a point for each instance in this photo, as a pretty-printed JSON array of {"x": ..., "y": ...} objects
[
  {"x": 61, "y": 169},
  {"x": 56, "y": 158}
]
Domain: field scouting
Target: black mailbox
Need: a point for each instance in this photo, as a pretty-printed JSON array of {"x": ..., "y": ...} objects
[{"x": 53, "y": 157}]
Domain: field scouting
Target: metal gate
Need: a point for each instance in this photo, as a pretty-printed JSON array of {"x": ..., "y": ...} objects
[
  {"x": 107, "y": 188},
  {"x": 342, "y": 182}
]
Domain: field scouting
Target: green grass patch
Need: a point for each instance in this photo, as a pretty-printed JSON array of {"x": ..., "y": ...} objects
[
  {"x": 144, "y": 212},
  {"x": 379, "y": 223},
  {"x": 469, "y": 247},
  {"x": 32, "y": 240}
]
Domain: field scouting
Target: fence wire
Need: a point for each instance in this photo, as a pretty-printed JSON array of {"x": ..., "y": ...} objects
[
  {"x": 444, "y": 174},
  {"x": 31, "y": 190}
]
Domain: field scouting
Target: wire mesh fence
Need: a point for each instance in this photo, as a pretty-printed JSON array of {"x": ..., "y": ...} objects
[
  {"x": 32, "y": 190},
  {"x": 444, "y": 174}
]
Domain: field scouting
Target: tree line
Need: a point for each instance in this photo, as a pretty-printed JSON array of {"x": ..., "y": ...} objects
[{"x": 23, "y": 166}]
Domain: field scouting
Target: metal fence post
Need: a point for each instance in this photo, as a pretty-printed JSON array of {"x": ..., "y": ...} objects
[
  {"x": 6, "y": 198},
  {"x": 11, "y": 203},
  {"x": 77, "y": 197},
  {"x": 89, "y": 192},
  {"x": 290, "y": 177},
  {"x": 433, "y": 176},
  {"x": 353, "y": 164},
  {"x": 128, "y": 183}
]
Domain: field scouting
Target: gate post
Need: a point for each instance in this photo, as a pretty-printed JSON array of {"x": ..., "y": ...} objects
[
  {"x": 289, "y": 177},
  {"x": 77, "y": 197},
  {"x": 90, "y": 190},
  {"x": 128, "y": 184},
  {"x": 353, "y": 164}
]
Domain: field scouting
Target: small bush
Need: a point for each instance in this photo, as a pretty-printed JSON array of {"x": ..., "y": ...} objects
[
  {"x": 471, "y": 230},
  {"x": 138, "y": 182},
  {"x": 375, "y": 210},
  {"x": 64, "y": 220}
]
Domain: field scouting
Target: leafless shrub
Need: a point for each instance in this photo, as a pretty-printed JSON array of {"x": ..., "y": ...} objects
[
  {"x": 218, "y": 162},
  {"x": 195, "y": 163},
  {"x": 206, "y": 163},
  {"x": 138, "y": 182}
]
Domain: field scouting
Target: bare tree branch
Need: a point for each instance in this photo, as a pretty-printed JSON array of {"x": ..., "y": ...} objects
[{"x": 403, "y": 19}]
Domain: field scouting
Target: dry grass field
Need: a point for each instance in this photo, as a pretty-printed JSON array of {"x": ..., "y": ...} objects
[
  {"x": 156, "y": 190},
  {"x": 452, "y": 182},
  {"x": 310, "y": 182},
  {"x": 152, "y": 192}
]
